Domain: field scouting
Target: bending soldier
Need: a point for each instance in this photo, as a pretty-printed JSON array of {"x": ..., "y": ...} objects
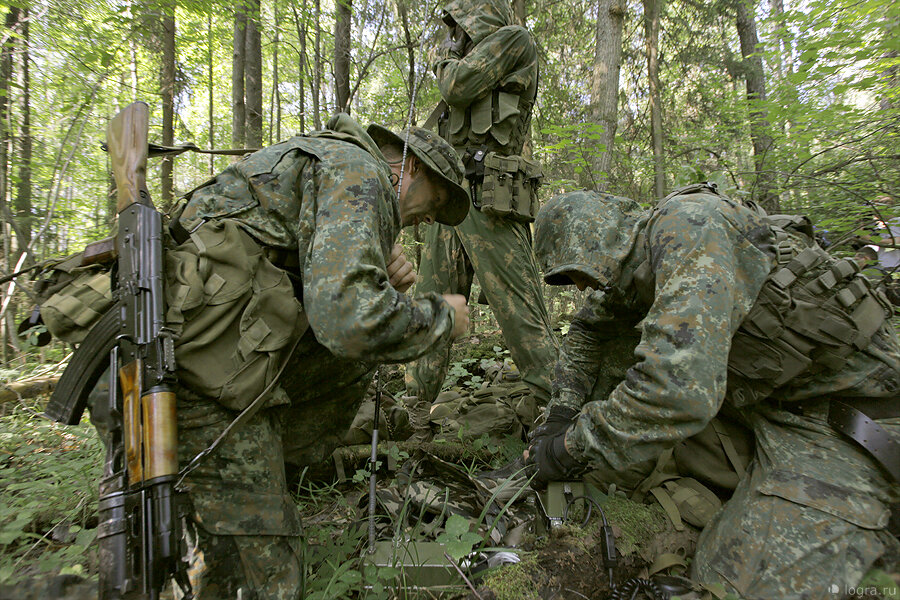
[
  {"x": 735, "y": 313},
  {"x": 488, "y": 82},
  {"x": 286, "y": 285}
]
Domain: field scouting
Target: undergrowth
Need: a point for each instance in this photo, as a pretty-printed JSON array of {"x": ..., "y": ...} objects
[{"x": 48, "y": 485}]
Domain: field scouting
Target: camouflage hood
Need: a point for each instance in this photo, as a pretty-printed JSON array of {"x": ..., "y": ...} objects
[
  {"x": 587, "y": 232},
  {"x": 480, "y": 18}
]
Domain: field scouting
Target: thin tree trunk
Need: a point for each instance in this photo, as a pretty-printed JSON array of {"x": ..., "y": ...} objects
[
  {"x": 605, "y": 83},
  {"x": 410, "y": 56},
  {"x": 652, "y": 9},
  {"x": 317, "y": 76},
  {"x": 210, "y": 89},
  {"x": 167, "y": 87},
  {"x": 253, "y": 77},
  {"x": 237, "y": 76},
  {"x": 342, "y": 21},
  {"x": 275, "y": 103},
  {"x": 302, "y": 32},
  {"x": 23, "y": 188},
  {"x": 756, "y": 96},
  {"x": 518, "y": 8}
]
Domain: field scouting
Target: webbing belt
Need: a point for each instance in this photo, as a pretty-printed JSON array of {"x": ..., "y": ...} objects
[{"x": 857, "y": 422}]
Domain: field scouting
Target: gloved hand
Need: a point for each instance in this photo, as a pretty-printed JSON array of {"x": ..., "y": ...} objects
[
  {"x": 558, "y": 420},
  {"x": 553, "y": 462}
]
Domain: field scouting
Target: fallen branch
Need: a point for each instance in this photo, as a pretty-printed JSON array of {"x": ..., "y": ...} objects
[{"x": 15, "y": 391}]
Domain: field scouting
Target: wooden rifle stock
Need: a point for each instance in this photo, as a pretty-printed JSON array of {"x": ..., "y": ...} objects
[{"x": 127, "y": 138}]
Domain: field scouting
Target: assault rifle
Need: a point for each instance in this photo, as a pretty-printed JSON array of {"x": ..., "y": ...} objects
[{"x": 139, "y": 534}]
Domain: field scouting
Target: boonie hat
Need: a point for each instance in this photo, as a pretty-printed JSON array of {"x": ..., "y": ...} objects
[{"x": 440, "y": 158}]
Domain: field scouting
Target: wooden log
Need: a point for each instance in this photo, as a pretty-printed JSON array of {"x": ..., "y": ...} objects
[{"x": 14, "y": 391}]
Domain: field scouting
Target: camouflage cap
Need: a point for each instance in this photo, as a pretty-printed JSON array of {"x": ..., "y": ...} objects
[
  {"x": 440, "y": 158},
  {"x": 586, "y": 232}
]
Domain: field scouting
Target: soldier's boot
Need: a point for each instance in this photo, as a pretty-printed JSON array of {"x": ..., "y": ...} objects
[{"x": 419, "y": 412}]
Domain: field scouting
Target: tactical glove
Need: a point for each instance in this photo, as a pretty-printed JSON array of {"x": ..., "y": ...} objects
[
  {"x": 558, "y": 420},
  {"x": 552, "y": 460}
]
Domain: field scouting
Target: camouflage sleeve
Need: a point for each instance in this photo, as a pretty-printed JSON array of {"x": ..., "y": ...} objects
[
  {"x": 351, "y": 306},
  {"x": 678, "y": 382},
  {"x": 580, "y": 355},
  {"x": 507, "y": 50}
]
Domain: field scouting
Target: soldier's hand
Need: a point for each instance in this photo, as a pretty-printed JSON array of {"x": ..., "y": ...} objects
[
  {"x": 400, "y": 270},
  {"x": 551, "y": 461},
  {"x": 458, "y": 303}
]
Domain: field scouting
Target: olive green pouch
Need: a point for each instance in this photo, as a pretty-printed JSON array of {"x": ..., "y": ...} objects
[
  {"x": 235, "y": 313},
  {"x": 510, "y": 188}
]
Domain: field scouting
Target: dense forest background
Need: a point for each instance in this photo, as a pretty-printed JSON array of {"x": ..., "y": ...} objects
[{"x": 791, "y": 103}]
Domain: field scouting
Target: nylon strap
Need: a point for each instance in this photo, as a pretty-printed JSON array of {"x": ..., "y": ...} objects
[
  {"x": 730, "y": 451},
  {"x": 671, "y": 510},
  {"x": 665, "y": 561},
  {"x": 435, "y": 115}
]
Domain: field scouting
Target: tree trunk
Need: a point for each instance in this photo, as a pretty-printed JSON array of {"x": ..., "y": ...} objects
[
  {"x": 317, "y": 76},
  {"x": 342, "y": 20},
  {"x": 410, "y": 57},
  {"x": 605, "y": 83},
  {"x": 210, "y": 90},
  {"x": 167, "y": 89},
  {"x": 237, "y": 76},
  {"x": 652, "y": 9},
  {"x": 6, "y": 73},
  {"x": 756, "y": 96},
  {"x": 23, "y": 188},
  {"x": 253, "y": 77},
  {"x": 301, "y": 67},
  {"x": 275, "y": 103},
  {"x": 518, "y": 8}
]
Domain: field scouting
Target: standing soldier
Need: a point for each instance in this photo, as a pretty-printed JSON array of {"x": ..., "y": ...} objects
[{"x": 488, "y": 82}]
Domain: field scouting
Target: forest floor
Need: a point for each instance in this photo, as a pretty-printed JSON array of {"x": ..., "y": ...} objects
[{"x": 48, "y": 519}]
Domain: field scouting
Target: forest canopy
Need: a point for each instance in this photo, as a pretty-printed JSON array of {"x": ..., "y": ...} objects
[{"x": 792, "y": 104}]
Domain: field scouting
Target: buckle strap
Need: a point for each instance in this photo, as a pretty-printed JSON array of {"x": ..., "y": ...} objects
[{"x": 871, "y": 436}]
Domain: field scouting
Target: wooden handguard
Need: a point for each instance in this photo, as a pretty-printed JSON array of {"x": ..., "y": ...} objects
[{"x": 126, "y": 138}]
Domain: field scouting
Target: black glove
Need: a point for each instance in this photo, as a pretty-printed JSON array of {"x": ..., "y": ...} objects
[
  {"x": 553, "y": 462},
  {"x": 558, "y": 420}
]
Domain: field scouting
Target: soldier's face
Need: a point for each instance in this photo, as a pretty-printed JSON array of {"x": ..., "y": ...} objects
[
  {"x": 582, "y": 281},
  {"x": 420, "y": 199}
]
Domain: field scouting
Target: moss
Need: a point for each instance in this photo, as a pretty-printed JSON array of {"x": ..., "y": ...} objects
[
  {"x": 637, "y": 522},
  {"x": 515, "y": 582}
]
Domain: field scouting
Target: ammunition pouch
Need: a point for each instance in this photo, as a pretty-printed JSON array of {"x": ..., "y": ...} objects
[
  {"x": 510, "y": 187},
  {"x": 73, "y": 298},
  {"x": 812, "y": 314}
]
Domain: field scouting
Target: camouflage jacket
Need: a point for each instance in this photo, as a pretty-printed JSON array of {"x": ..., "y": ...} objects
[
  {"x": 708, "y": 259},
  {"x": 326, "y": 200},
  {"x": 490, "y": 91}
]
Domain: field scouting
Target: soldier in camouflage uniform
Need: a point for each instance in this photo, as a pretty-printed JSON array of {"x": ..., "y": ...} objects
[
  {"x": 704, "y": 281},
  {"x": 288, "y": 258},
  {"x": 488, "y": 82}
]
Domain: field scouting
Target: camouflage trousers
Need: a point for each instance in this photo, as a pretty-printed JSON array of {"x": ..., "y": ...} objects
[
  {"x": 245, "y": 537},
  {"x": 808, "y": 521},
  {"x": 499, "y": 252}
]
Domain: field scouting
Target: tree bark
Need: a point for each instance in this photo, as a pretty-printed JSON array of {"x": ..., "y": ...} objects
[
  {"x": 756, "y": 95},
  {"x": 317, "y": 76},
  {"x": 301, "y": 67},
  {"x": 237, "y": 76},
  {"x": 342, "y": 21},
  {"x": 253, "y": 77},
  {"x": 210, "y": 90},
  {"x": 652, "y": 9},
  {"x": 605, "y": 83},
  {"x": 167, "y": 89},
  {"x": 275, "y": 103}
]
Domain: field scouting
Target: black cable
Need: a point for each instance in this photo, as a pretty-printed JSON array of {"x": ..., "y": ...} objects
[
  {"x": 630, "y": 589},
  {"x": 607, "y": 539}
]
